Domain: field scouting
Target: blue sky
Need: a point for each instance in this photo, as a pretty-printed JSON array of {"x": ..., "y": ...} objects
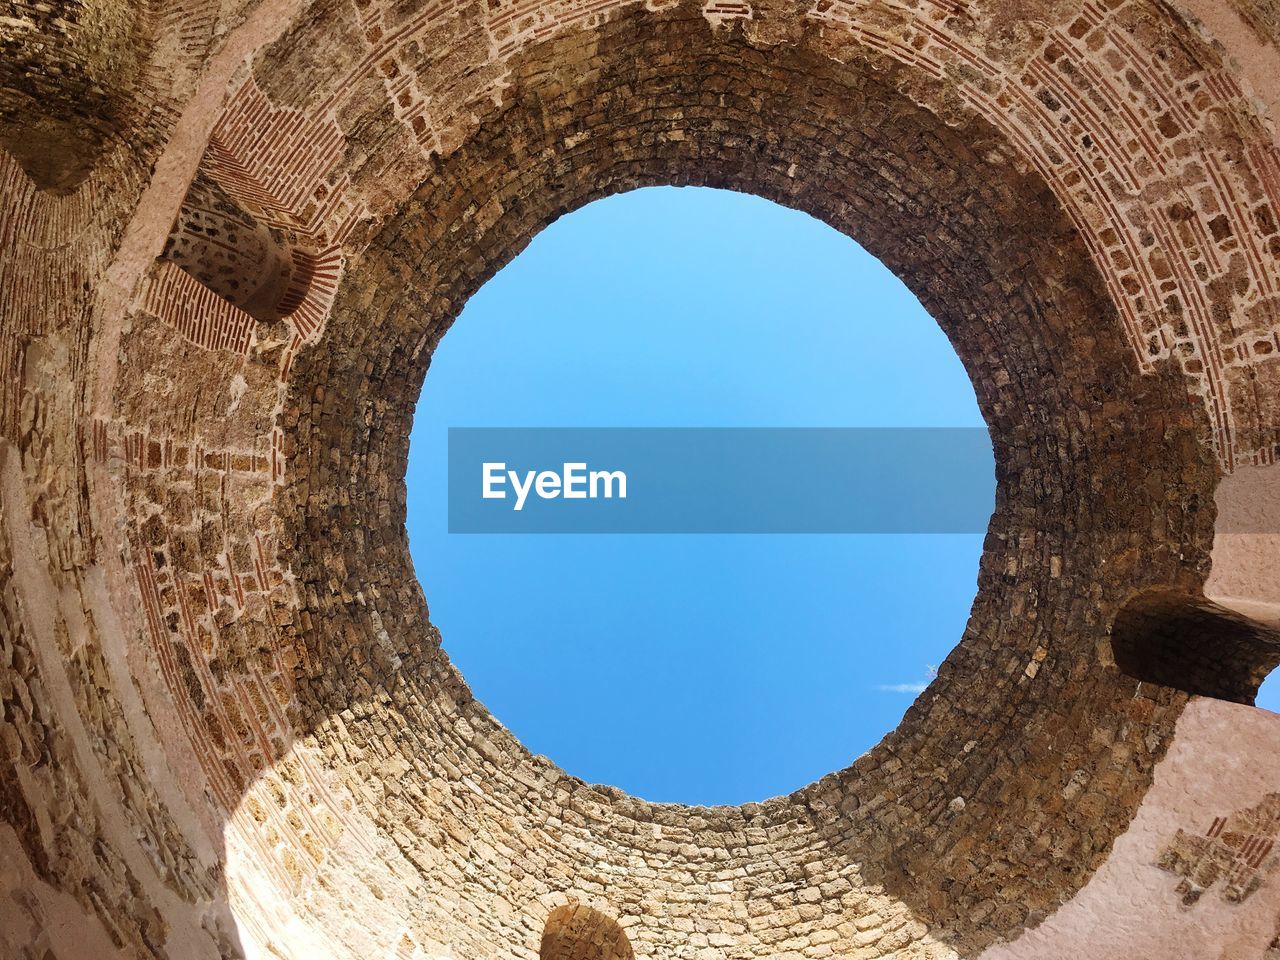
[{"x": 691, "y": 668}]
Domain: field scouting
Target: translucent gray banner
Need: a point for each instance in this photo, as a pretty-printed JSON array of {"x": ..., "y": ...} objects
[{"x": 720, "y": 480}]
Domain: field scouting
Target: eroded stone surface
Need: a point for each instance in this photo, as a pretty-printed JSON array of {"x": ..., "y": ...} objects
[{"x": 1179, "y": 880}]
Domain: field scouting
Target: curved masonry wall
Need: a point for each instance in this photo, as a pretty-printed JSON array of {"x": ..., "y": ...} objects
[{"x": 229, "y": 728}]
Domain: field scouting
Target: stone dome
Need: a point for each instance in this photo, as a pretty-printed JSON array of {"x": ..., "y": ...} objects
[{"x": 234, "y": 233}]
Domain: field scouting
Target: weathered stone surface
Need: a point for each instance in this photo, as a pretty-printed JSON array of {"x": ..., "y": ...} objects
[{"x": 228, "y": 726}]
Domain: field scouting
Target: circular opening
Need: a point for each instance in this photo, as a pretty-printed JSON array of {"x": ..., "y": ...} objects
[
  {"x": 1090, "y": 450},
  {"x": 692, "y": 668}
]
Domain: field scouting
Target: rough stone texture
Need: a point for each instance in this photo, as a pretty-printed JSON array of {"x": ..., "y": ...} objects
[
  {"x": 228, "y": 725},
  {"x": 576, "y": 932},
  {"x": 1263, "y": 17},
  {"x": 69, "y": 74}
]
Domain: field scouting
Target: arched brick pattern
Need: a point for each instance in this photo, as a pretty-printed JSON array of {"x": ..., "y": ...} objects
[{"x": 226, "y": 250}]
